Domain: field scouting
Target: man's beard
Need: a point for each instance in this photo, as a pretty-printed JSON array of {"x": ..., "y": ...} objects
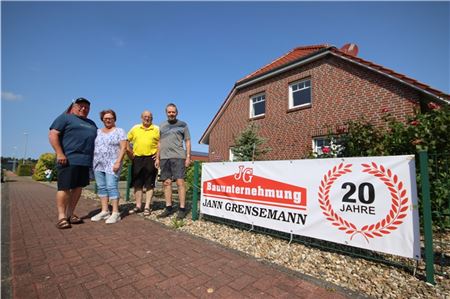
[{"x": 172, "y": 121}]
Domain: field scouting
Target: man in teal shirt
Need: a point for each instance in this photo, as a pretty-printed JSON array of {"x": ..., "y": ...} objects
[{"x": 72, "y": 136}]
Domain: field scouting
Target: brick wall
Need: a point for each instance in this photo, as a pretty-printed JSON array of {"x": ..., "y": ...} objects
[{"x": 341, "y": 91}]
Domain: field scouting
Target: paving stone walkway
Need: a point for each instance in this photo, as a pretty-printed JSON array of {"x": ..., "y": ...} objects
[{"x": 132, "y": 259}]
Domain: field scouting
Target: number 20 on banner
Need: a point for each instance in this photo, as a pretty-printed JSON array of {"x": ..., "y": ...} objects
[{"x": 361, "y": 198}]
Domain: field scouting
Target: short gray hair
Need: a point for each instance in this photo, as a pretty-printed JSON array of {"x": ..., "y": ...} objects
[{"x": 172, "y": 105}]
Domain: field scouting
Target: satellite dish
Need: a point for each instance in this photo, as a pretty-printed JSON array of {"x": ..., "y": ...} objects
[{"x": 350, "y": 49}]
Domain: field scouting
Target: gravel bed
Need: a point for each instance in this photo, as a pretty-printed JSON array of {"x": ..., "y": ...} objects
[{"x": 362, "y": 276}]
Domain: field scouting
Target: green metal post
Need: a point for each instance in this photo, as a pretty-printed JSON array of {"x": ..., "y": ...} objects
[
  {"x": 195, "y": 193},
  {"x": 428, "y": 231},
  {"x": 127, "y": 195}
]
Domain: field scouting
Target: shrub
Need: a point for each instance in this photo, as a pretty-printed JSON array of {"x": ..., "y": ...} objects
[
  {"x": 190, "y": 180},
  {"x": 124, "y": 176},
  {"x": 46, "y": 161},
  {"x": 124, "y": 170},
  {"x": 25, "y": 170},
  {"x": 424, "y": 131}
]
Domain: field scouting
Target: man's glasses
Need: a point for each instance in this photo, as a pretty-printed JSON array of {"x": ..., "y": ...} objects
[{"x": 81, "y": 106}]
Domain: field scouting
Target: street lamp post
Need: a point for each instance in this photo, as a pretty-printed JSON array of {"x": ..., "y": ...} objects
[
  {"x": 26, "y": 142},
  {"x": 14, "y": 159}
]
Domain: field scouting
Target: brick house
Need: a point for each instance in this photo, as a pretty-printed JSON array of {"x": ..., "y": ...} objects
[
  {"x": 199, "y": 156},
  {"x": 302, "y": 96}
]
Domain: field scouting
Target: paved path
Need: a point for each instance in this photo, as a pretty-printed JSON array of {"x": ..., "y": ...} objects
[{"x": 133, "y": 259}]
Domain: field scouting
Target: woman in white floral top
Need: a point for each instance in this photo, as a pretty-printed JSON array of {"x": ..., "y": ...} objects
[{"x": 110, "y": 147}]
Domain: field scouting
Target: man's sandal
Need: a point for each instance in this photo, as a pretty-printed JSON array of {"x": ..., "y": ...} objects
[
  {"x": 63, "y": 223},
  {"x": 74, "y": 219},
  {"x": 147, "y": 212}
]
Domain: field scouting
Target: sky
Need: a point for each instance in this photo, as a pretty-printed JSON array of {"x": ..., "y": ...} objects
[{"x": 133, "y": 56}]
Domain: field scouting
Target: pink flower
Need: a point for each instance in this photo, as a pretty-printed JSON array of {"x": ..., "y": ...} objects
[
  {"x": 384, "y": 110},
  {"x": 325, "y": 150},
  {"x": 417, "y": 141},
  {"x": 414, "y": 123},
  {"x": 433, "y": 106}
]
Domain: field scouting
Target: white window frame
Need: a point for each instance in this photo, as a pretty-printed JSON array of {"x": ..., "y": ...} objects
[
  {"x": 230, "y": 155},
  {"x": 252, "y": 109},
  {"x": 299, "y": 84},
  {"x": 318, "y": 149}
]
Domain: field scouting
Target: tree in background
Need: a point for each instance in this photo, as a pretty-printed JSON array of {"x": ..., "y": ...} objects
[
  {"x": 247, "y": 146},
  {"x": 46, "y": 161}
]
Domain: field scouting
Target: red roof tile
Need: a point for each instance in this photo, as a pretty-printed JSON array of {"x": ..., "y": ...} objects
[
  {"x": 392, "y": 73},
  {"x": 300, "y": 53},
  {"x": 286, "y": 59}
]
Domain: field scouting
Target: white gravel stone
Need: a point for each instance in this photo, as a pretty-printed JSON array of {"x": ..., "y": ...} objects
[{"x": 363, "y": 276}]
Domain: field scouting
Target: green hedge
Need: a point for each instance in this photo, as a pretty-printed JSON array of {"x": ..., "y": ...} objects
[
  {"x": 25, "y": 170},
  {"x": 190, "y": 180}
]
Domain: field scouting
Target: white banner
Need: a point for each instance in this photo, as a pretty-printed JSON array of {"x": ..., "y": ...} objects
[{"x": 368, "y": 202}]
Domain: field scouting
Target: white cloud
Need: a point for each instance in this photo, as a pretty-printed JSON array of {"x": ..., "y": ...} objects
[{"x": 10, "y": 96}]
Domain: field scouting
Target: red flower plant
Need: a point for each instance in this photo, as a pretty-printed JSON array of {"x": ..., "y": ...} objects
[
  {"x": 433, "y": 106},
  {"x": 384, "y": 110},
  {"x": 414, "y": 123},
  {"x": 326, "y": 150}
]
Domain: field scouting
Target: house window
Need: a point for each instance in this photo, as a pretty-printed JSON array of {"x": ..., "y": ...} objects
[
  {"x": 327, "y": 146},
  {"x": 319, "y": 144},
  {"x": 258, "y": 105},
  {"x": 300, "y": 94}
]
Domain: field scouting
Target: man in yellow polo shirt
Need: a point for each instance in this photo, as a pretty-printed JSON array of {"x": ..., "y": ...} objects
[{"x": 144, "y": 139}]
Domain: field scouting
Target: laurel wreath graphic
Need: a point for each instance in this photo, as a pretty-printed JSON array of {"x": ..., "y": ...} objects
[{"x": 399, "y": 201}]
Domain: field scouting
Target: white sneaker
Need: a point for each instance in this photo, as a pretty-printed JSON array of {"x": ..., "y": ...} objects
[
  {"x": 114, "y": 218},
  {"x": 100, "y": 216}
]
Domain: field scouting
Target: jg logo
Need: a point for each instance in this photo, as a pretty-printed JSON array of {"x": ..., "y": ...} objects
[{"x": 244, "y": 174}]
